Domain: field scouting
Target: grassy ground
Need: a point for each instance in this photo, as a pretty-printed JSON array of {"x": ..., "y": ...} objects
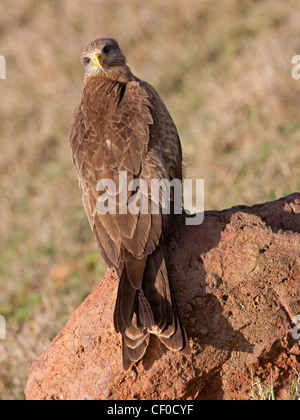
[{"x": 224, "y": 71}]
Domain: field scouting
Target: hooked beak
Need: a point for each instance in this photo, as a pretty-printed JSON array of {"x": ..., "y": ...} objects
[{"x": 97, "y": 60}]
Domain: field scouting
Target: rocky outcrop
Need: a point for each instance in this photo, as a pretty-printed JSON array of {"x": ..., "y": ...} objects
[{"x": 237, "y": 283}]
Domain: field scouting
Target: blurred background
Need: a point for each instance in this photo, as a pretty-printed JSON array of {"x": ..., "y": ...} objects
[{"x": 224, "y": 71}]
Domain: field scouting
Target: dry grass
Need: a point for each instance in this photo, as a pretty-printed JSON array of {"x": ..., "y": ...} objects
[{"x": 223, "y": 69}]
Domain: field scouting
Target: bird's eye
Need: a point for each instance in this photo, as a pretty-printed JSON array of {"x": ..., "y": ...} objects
[
  {"x": 106, "y": 49},
  {"x": 87, "y": 60}
]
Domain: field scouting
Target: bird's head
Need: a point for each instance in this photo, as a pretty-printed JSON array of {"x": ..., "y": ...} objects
[{"x": 102, "y": 57}]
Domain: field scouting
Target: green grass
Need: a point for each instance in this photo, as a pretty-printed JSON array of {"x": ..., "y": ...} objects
[
  {"x": 295, "y": 388},
  {"x": 266, "y": 391},
  {"x": 260, "y": 392}
]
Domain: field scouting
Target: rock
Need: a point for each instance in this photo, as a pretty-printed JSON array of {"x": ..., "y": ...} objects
[{"x": 237, "y": 283}]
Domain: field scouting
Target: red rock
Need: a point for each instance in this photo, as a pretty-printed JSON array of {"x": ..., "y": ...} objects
[{"x": 236, "y": 279}]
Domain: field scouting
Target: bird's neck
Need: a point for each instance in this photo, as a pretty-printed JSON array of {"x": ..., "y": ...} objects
[{"x": 120, "y": 74}]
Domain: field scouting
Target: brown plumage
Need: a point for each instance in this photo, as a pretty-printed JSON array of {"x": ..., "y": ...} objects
[{"x": 121, "y": 124}]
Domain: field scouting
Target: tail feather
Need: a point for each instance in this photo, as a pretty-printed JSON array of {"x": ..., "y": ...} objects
[
  {"x": 149, "y": 308},
  {"x": 134, "y": 343},
  {"x": 131, "y": 355},
  {"x": 145, "y": 313},
  {"x": 125, "y": 304},
  {"x": 154, "y": 287}
]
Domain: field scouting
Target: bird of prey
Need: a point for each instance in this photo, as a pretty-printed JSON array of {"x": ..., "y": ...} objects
[{"x": 122, "y": 126}]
